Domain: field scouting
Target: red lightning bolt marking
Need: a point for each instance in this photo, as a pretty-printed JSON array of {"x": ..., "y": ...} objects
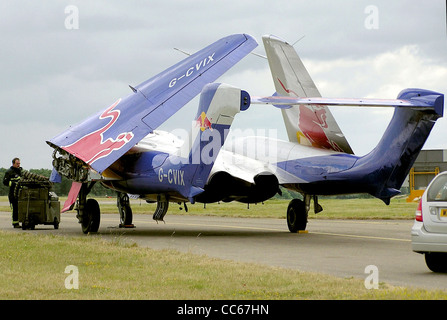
[
  {"x": 92, "y": 147},
  {"x": 311, "y": 122}
]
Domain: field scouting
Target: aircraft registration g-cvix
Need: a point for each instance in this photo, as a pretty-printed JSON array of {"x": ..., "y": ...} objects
[{"x": 121, "y": 148}]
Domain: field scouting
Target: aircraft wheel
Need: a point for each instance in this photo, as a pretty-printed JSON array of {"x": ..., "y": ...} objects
[
  {"x": 126, "y": 215},
  {"x": 91, "y": 216},
  {"x": 296, "y": 215}
]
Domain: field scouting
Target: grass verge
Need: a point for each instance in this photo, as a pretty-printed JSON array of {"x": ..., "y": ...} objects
[{"x": 33, "y": 267}]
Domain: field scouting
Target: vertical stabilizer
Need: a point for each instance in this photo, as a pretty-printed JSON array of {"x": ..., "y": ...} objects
[
  {"x": 306, "y": 124},
  {"x": 386, "y": 167},
  {"x": 219, "y": 104}
]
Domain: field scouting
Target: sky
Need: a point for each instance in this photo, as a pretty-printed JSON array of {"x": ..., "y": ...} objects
[{"x": 62, "y": 61}]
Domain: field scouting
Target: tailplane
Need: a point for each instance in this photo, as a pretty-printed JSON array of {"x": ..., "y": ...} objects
[{"x": 306, "y": 124}]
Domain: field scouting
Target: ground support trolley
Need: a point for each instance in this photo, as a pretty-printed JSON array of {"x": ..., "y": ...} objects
[{"x": 37, "y": 204}]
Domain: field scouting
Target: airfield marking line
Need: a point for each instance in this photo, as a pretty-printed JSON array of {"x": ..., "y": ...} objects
[
  {"x": 207, "y": 225},
  {"x": 217, "y": 225},
  {"x": 271, "y": 229},
  {"x": 362, "y": 237}
]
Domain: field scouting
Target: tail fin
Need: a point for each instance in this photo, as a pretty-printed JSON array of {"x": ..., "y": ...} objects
[
  {"x": 219, "y": 103},
  {"x": 305, "y": 124},
  {"x": 386, "y": 166}
]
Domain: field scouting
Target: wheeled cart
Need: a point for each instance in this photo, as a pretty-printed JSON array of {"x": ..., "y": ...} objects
[{"x": 37, "y": 205}]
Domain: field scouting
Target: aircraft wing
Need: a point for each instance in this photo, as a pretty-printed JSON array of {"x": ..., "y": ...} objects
[{"x": 104, "y": 137}]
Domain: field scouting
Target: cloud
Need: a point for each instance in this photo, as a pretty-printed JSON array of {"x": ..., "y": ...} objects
[
  {"x": 53, "y": 77},
  {"x": 27, "y": 141},
  {"x": 380, "y": 76}
]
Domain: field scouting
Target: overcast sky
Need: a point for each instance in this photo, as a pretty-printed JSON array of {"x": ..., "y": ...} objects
[{"x": 55, "y": 73}]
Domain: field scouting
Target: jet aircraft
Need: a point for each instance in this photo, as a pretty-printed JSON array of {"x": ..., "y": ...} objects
[{"x": 121, "y": 148}]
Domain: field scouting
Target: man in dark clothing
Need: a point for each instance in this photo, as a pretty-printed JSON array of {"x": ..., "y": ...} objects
[{"x": 11, "y": 178}]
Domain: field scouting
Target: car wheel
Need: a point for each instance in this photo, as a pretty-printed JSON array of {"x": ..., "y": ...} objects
[{"x": 436, "y": 261}]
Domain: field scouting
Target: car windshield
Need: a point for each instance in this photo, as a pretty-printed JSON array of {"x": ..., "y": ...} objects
[{"x": 438, "y": 189}]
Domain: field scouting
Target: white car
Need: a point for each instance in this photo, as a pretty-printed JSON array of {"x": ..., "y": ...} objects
[{"x": 429, "y": 232}]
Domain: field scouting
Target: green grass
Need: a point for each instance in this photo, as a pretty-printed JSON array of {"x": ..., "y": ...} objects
[
  {"x": 33, "y": 267},
  {"x": 333, "y": 209}
]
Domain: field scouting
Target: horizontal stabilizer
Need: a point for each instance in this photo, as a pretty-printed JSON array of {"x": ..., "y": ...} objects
[{"x": 414, "y": 102}]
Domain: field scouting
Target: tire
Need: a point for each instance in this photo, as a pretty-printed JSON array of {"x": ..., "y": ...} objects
[
  {"x": 126, "y": 215},
  {"x": 296, "y": 216},
  {"x": 28, "y": 224},
  {"x": 91, "y": 216},
  {"x": 436, "y": 261}
]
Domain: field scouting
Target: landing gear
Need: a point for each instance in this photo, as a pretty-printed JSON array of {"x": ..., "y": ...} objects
[
  {"x": 297, "y": 212},
  {"x": 162, "y": 207},
  {"x": 296, "y": 216},
  {"x": 88, "y": 210},
  {"x": 125, "y": 210},
  {"x": 91, "y": 216}
]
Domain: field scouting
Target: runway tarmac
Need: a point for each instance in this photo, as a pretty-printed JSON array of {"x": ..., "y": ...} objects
[{"x": 343, "y": 248}]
